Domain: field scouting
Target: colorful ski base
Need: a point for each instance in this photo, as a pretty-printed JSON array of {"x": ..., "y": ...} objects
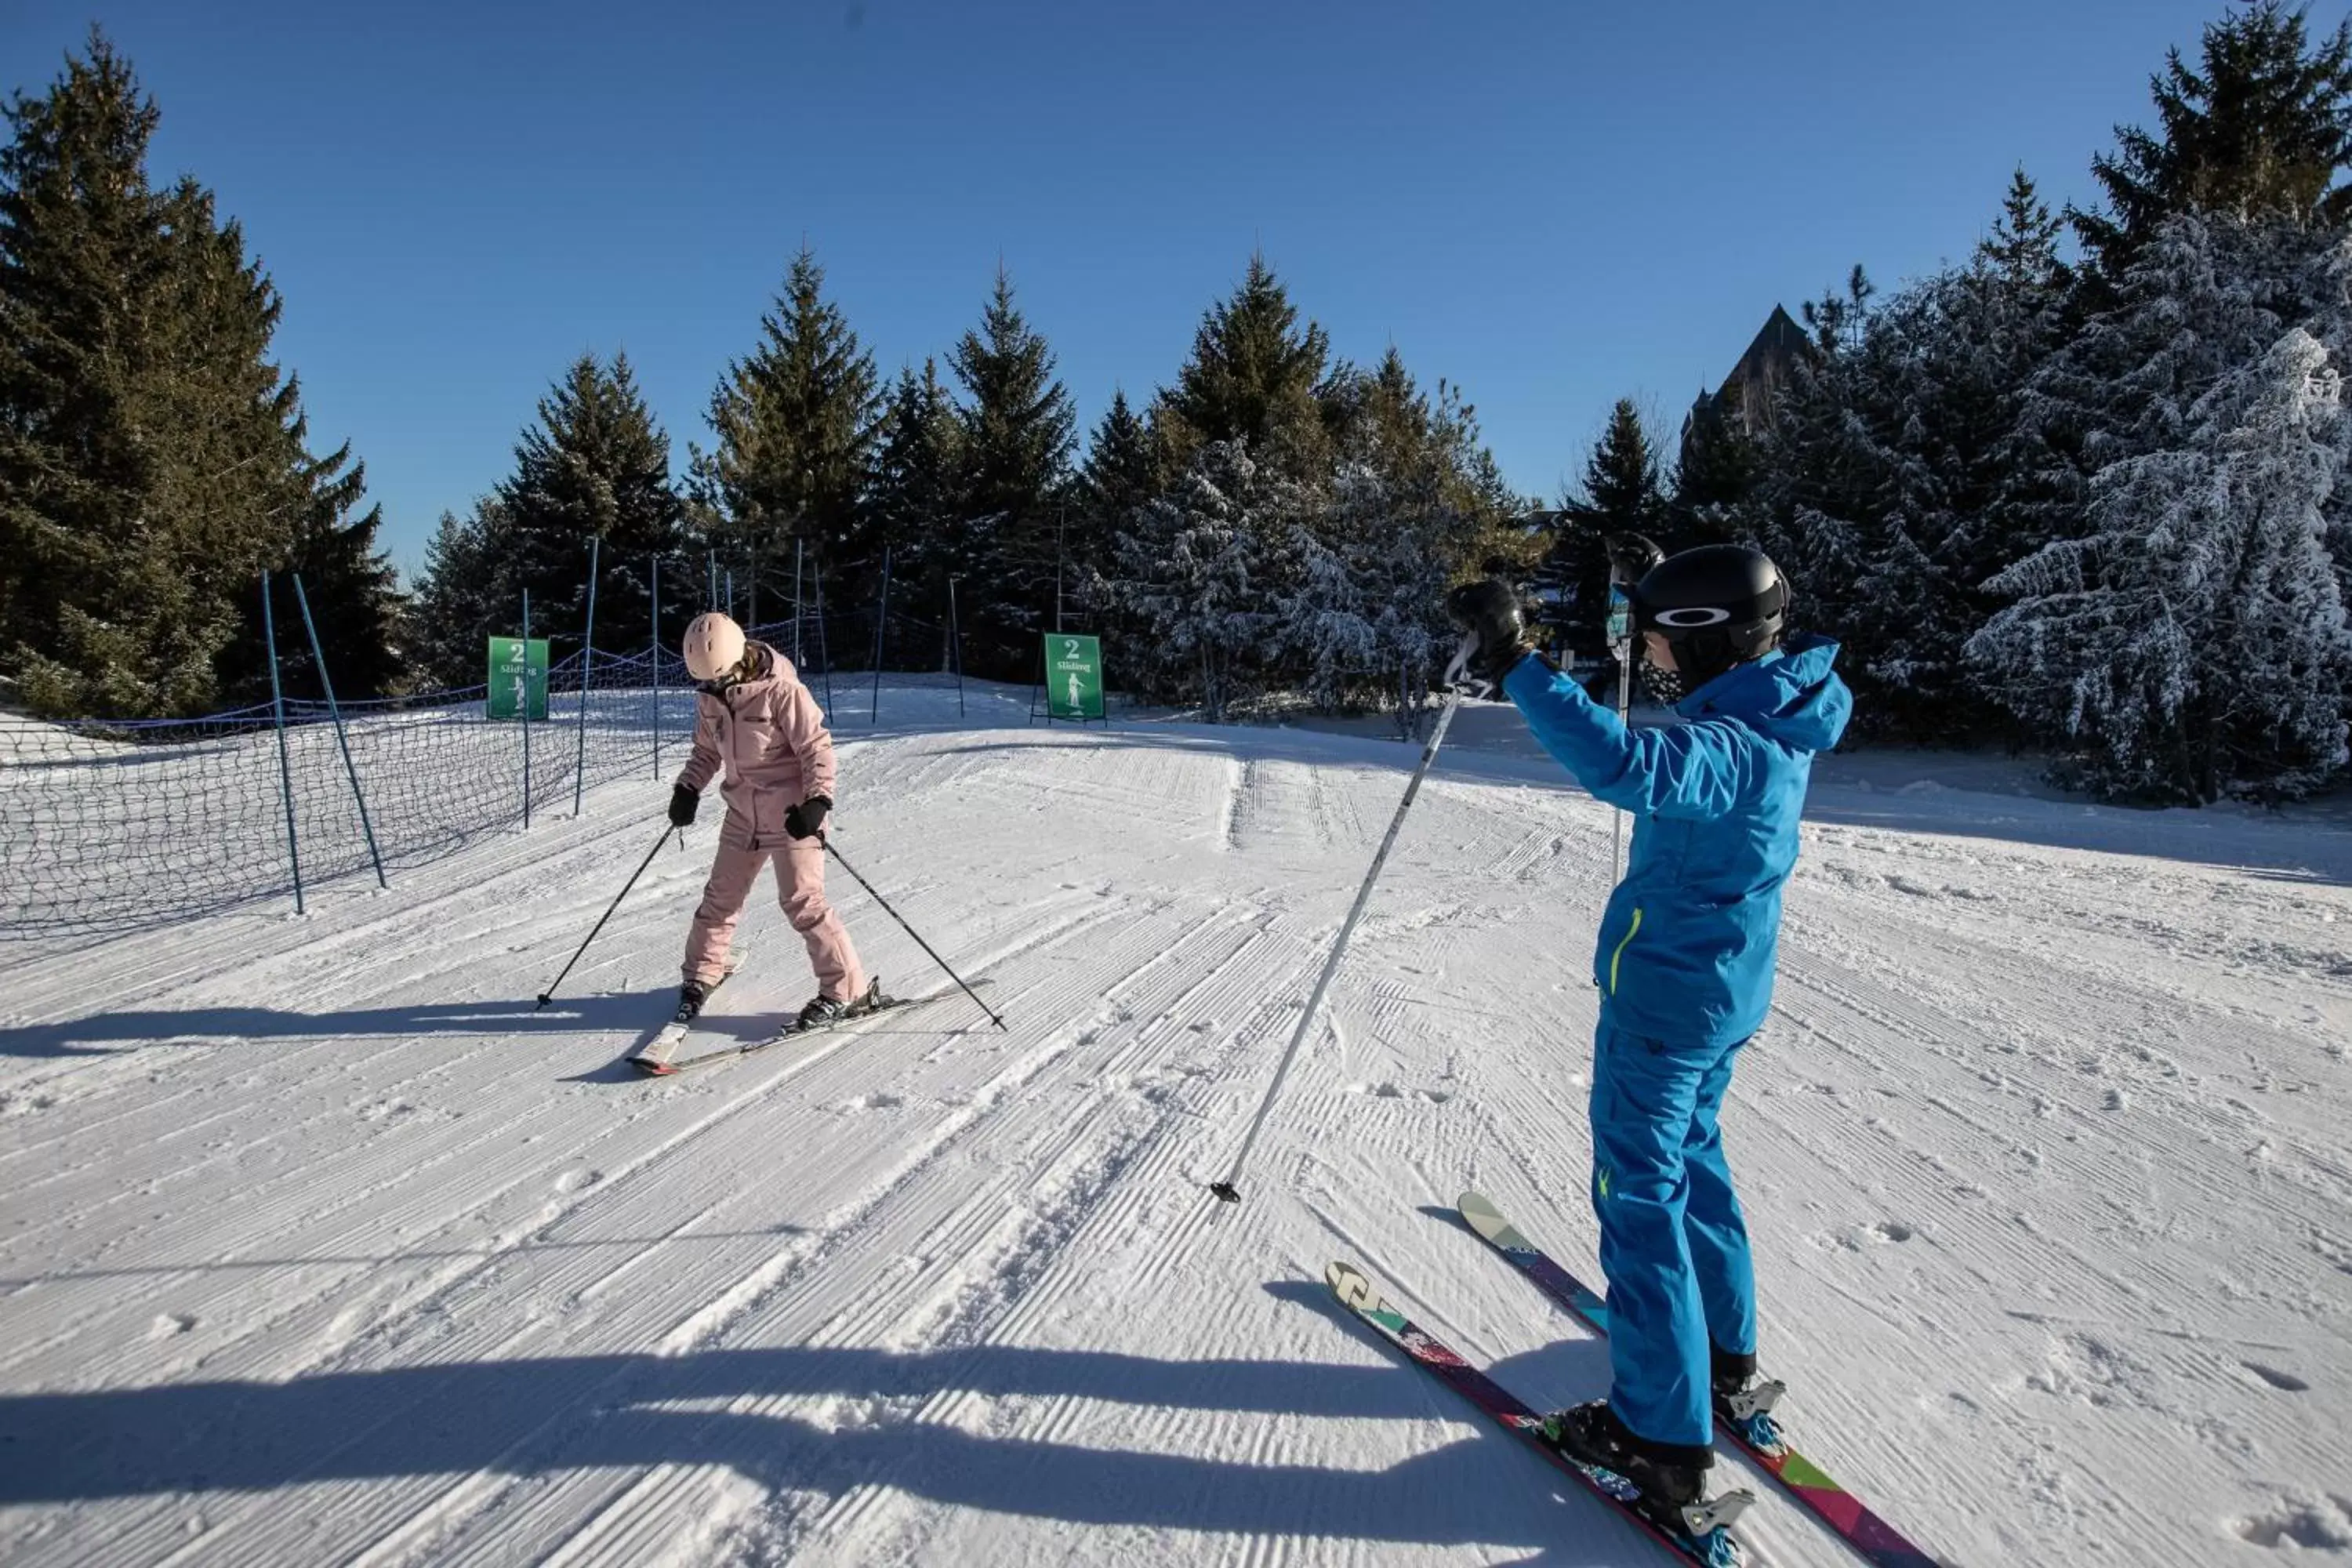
[
  {"x": 1716, "y": 1548},
  {"x": 653, "y": 1069},
  {"x": 1875, "y": 1540}
]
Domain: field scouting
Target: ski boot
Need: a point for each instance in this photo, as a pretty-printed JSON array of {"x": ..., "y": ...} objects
[
  {"x": 690, "y": 997},
  {"x": 1744, "y": 1402},
  {"x": 1671, "y": 1477},
  {"x": 823, "y": 1012}
]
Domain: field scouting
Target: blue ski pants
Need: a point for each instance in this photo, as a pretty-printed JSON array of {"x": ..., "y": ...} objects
[{"x": 1673, "y": 1244}]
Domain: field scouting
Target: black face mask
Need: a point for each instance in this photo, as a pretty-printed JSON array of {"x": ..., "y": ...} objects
[{"x": 1665, "y": 687}]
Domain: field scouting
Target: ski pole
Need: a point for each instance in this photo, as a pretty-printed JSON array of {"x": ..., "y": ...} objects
[
  {"x": 549, "y": 995},
  {"x": 1229, "y": 1190},
  {"x": 1619, "y": 613},
  {"x": 827, "y": 841},
  {"x": 1630, "y": 556}
]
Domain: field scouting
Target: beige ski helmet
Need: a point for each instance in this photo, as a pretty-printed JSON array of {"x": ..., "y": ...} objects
[{"x": 714, "y": 644}]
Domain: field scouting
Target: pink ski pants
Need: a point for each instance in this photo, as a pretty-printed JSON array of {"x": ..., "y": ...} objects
[{"x": 800, "y": 888}]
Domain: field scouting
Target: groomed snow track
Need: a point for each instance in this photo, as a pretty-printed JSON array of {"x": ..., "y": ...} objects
[{"x": 320, "y": 1246}]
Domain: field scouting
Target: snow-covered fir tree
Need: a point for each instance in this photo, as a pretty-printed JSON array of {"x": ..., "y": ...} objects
[
  {"x": 1362, "y": 617},
  {"x": 2194, "y": 643},
  {"x": 1942, "y": 369},
  {"x": 1193, "y": 575}
]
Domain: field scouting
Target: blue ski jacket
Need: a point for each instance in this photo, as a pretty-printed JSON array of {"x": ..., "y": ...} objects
[{"x": 1687, "y": 944}]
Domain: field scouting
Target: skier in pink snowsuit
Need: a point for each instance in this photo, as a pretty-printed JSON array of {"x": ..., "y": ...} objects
[{"x": 757, "y": 727}]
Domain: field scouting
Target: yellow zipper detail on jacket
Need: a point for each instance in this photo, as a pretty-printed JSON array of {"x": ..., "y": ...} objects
[{"x": 1619, "y": 956}]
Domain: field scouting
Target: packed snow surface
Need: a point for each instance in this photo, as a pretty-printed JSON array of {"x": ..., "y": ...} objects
[{"x": 320, "y": 1244}]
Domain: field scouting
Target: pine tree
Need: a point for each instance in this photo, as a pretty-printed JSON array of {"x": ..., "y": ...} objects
[
  {"x": 1622, "y": 494},
  {"x": 153, "y": 461},
  {"x": 1118, "y": 475},
  {"x": 797, "y": 421},
  {"x": 457, "y": 603},
  {"x": 2194, "y": 643},
  {"x": 1018, "y": 432},
  {"x": 1910, "y": 481},
  {"x": 2263, "y": 127},
  {"x": 1427, "y": 449},
  {"x": 1255, "y": 375},
  {"x": 1715, "y": 472},
  {"x": 1839, "y": 318},
  {"x": 1823, "y": 477},
  {"x": 1362, "y": 618},
  {"x": 594, "y": 466},
  {"x": 1190, "y": 573},
  {"x": 2021, "y": 249},
  {"x": 915, "y": 508}
]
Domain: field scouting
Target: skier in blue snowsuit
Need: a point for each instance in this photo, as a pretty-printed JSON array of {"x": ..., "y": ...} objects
[{"x": 1684, "y": 968}]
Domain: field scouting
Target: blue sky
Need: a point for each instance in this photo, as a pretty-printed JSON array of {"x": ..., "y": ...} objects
[{"x": 1553, "y": 205}]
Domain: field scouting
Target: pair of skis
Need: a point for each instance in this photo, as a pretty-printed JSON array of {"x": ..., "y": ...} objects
[
  {"x": 653, "y": 1059},
  {"x": 1700, "y": 1533}
]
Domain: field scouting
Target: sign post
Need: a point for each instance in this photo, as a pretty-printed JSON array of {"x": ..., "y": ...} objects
[{"x": 1074, "y": 677}]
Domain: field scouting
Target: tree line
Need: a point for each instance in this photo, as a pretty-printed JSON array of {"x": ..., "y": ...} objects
[
  {"x": 2081, "y": 491},
  {"x": 2096, "y": 504}
]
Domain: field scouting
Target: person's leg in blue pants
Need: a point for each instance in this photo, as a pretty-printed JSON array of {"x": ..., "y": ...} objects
[
  {"x": 1712, "y": 1227},
  {"x": 1668, "y": 1223}
]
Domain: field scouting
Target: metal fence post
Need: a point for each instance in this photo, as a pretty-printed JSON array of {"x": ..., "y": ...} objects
[
  {"x": 657, "y": 656},
  {"x": 881, "y": 624},
  {"x": 587, "y": 669},
  {"x": 824, "y": 652},
  {"x": 335, "y": 712},
  {"x": 285, "y": 768},
  {"x": 955, "y": 642},
  {"x": 526, "y": 709}
]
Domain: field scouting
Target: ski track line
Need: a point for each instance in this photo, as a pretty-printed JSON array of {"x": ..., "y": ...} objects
[
  {"x": 699, "y": 1327},
  {"x": 568, "y": 1496},
  {"x": 1194, "y": 1219},
  {"x": 975, "y": 1284},
  {"x": 78, "y": 1214},
  {"x": 160, "y": 1118},
  {"x": 1971, "y": 1215},
  {"x": 1016, "y": 1270},
  {"x": 2049, "y": 1140},
  {"x": 370, "y": 1504}
]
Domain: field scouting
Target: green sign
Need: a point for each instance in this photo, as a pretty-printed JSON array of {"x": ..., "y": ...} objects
[
  {"x": 1073, "y": 685},
  {"x": 518, "y": 668}
]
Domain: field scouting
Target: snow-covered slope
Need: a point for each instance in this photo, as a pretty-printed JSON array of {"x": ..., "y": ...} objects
[{"x": 319, "y": 1245}]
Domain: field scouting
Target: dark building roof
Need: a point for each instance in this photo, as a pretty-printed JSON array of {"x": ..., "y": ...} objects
[{"x": 1762, "y": 371}]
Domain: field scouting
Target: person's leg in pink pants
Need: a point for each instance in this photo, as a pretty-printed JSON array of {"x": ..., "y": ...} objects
[{"x": 800, "y": 888}]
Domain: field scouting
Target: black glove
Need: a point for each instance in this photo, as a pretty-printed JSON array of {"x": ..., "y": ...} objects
[
  {"x": 807, "y": 819},
  {"x": 1631, "y": 556},
  {"x": 1488, "y": 613},
  {"x": 683, "y": 803}
]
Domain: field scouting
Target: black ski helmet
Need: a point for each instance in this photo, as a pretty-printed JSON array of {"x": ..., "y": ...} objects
[{"x": 1718, "y": 606}]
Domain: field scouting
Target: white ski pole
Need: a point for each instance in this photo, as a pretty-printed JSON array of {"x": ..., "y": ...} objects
[{"x": 1620, "y": 642}]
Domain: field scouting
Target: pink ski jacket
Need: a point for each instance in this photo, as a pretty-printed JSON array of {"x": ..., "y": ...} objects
[{"x": 768, "y": 736}]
